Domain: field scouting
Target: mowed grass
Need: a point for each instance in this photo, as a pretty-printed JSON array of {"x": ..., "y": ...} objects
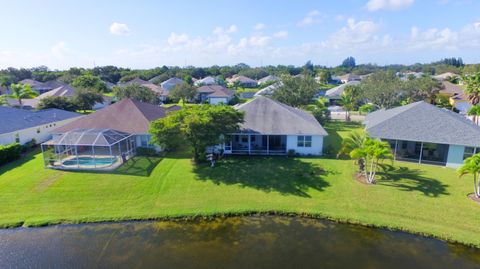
[{"x": 417, "y": 198}]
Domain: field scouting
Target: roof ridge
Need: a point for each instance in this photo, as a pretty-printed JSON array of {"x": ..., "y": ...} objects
[{"x": 402, "y": 109}]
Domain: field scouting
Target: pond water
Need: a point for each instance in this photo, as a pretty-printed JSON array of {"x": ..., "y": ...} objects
[{"x": 237, "y": 242}]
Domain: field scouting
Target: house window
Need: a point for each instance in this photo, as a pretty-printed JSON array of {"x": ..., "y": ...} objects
[
  {"x": 17, "y": 138},
  {"x": 144, "y": 141},
  {"x": 304, "y": 141},
  {"x": 38, "y": 130},
  {"x": 244, "y": 139},
  {"x": 469, "y": 152}
]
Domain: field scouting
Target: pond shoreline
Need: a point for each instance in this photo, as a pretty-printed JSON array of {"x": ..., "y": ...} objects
[{"x": 194, "y": 217}]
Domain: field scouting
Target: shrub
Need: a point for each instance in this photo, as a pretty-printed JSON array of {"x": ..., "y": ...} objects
[
  {"x": 29, "y": 145},
  {"x": 142, "y": 151},
  {"x": 291, "y": 153},
  {"x": 9, "y": 152}
]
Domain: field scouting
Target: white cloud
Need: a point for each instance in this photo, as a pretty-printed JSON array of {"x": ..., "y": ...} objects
[
  {"x": 311, "y": 18},
  {"x": 60, "y": 49},
  {"x": 281, "y": 34},
  {"x": 259, "y": 26},
  {"x": 177, "y": 39},
  {"x": 375, "y": 5},
  {"x": 361, "y": 32},
  {"x": 229, "y": 30},
  {"x": 119, "y": 29}
]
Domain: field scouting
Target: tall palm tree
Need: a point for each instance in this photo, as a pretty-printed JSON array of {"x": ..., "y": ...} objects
[
  {"x": 353, "y": 141},
  {"x": 471, "y": 165},
  {"x": 348, "y": 103},
  {"x": 21, "y": 91},
  {"x": 475, "y": 112},
  {"x": 472, "y": 88}
]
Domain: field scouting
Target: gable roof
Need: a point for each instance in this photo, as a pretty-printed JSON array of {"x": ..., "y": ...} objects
[
  {"x": 206, "y": 81},
  {"x": 128, "y": 116},
  {"x": 451, "y": 89},
  {"x": 63, "y": 90},
  {"x": 336, "y": 92},
  {"x": 241, "y": 79},
  {"x": 446, "y": 75},
  {"x": 422, "y": 122},
  {"x": 170, "y": 83},
  {"x": 269, "y": 89},
  {"x": 215, "y": 91},
  {"x": 269, "y": 78},
  {"x": 266, "y": 116},
  {"x": 153, "y": 87},
  {"x": 15, "y": 119}
]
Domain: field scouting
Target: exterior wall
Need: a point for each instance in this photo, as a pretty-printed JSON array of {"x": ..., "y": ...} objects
[
  {"x": 218, "y": 100},
  {"x": 40, "y": 133},
  {"x": 315, "y": 149},
  {"x": 455, "y": 156},
  {"x": 148, "y": 137}
]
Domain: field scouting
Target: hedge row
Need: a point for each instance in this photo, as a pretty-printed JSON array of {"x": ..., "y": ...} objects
[{"x": 9, "y": 152}]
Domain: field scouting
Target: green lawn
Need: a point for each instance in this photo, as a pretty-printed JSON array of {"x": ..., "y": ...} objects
[{"x": 417, "y": 198}]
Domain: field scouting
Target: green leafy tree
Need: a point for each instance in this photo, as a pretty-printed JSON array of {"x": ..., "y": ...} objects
[
  {"x": 22, "y": 91},
  {"x": 184, "y": 92},
  {"x": 349, "y": 62},
  {"x": 85, "y": 99},
  {"x": 59, "y": 102},
  {"x": 199, "y": 126},
  {"x": 422, "y": 89},
  {"x": 371, "y": 153},
  {"x": 135, "y": 91},
  {"x": 471, "y": 166},
  {"x": 325, "y": 76},
  {"x": 382, "y": 89},
  {"x": 296, "y": 91},
  {"x": 319, "y": 110},
  {"x": 89, "y": 82},
  {"x": 3, "y": 100},
  {"x": 367, "y": 108}
]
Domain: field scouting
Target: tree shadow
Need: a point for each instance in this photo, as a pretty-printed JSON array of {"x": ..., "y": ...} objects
[
  {"x": 407, "y": 179},
  {"x": 24, "y": 158},
  {"x": 289, "y": 176},
  {"x": 138, "y": 166}
]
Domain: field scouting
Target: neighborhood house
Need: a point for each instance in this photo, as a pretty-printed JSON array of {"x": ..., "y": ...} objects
[
  {"x": 423, "y": 133},
  {"x": 214, "y": 94},
  {"x": 273, "y": 128},
  {"x": 104, "y": 139}
]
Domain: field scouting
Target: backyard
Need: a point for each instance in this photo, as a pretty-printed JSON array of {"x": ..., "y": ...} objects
[{"x": 417, "y": 198}]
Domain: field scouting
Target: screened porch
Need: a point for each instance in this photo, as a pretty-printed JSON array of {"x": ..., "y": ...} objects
[
  {"x": 419, "y": 152},
  {"x": 256, "y": 144}
]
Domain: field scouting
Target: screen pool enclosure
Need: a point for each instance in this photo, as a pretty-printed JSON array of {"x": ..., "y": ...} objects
[{"x": 101, "y": 149}]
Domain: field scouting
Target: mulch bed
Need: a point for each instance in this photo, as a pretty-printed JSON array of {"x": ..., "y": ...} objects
[
  {"x": 474, "y": 198},
  {"x": 360, "y": 177}
]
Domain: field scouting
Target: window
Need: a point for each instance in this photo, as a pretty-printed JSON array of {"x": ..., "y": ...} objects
[
  {"x": 304, "y": 141},
  {"x": 469, "y": 152},
  {"x": 144, "y": 141},
  {"x": 38, "y": 130},
  {"x": 17, "y": 138},
  {"x": 244, "y": 139}
]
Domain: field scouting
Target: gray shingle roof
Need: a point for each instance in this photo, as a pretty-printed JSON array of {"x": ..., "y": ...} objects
[
  {"x": 336, "y": 92},
  {"x": 215, "y": 91},
  {"x": 269, "y": 78},
  {"x": 266, "y": 116},
  {"x": 422, "y": 122},
  {"x": 14, "y": 119}
]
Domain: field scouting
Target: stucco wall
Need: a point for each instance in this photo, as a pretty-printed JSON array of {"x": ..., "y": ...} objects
[
  {"x": 315, "y": 149},
  {"x": 455, "y": 156},
  {"x": 40, "y": 133}
]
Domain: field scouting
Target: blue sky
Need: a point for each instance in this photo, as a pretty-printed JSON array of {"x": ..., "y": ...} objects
[{"x": 145, "y": 34}]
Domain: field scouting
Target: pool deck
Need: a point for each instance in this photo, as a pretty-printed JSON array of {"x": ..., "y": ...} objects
[{"x": 60, "y": 165}]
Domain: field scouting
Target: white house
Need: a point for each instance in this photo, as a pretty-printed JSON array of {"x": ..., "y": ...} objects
[
  {"x": 214, "y": 94},
  {"x": 206, "y": 81},
  {"x": 21, "y": 126},
  {"x": 273, "y": 128}
]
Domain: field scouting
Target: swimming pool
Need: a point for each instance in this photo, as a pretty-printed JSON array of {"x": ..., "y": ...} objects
[{"x": 89, "y": 161}]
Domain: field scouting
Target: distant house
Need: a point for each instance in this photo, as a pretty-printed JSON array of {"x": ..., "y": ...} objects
[
  {"x": 273, "y": 128},
  {"x": 170, "y": 83},
  {"x": 335, "y": 94},
  {"x": 423, "y": 133},
  {"x": 42, "y": 87},
  {"x": 206, "y": 81},
  {"x": 20, "y": 125},
  {"x": 445, "y": 76},
  {"x": 158, "y": 90},
  {"x": 346, "y": 78},
  {"x": 268, "y": 79},
  {"x": 457, "y": 97},
  {"x": 243, "y": 81},
  {"x": 269, "y": 89},
  {"x": 214, "y": 94}
]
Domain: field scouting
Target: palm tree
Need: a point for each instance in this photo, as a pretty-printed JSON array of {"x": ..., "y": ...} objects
[
  {"x": 21, "y": 91},
  {"x": 348, "y": 103},
  {"x": 353, "y": 141},
  {"x": 372, "y": 153},
  {"x": 475, "y": 112},
  {"x": 471, "y": 165},
  {"x": 473, "y": 88}
]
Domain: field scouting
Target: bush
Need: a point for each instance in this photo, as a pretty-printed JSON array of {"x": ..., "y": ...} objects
[
  {"x": 291, "y": 153},
  {"x": 29, "y": 145},
  {"x": 9, "y": 152},
  {"x": 142, "y": 151}
]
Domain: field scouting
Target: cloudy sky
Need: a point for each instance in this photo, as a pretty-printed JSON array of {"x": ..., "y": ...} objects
[{"x": 145, "y": 34}]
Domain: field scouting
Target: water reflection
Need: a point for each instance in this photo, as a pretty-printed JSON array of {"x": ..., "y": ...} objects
[{"x": 249, "y": 242}]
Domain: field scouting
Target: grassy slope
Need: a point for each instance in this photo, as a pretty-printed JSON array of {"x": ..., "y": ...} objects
[{"x": 422, "y": 199}]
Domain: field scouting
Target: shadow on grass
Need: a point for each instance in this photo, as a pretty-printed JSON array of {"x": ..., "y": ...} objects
[
  {"x": 407, "y": 179},
  {"x": 138, "y": 166},
  {"x": 289, "y": 176},
  {"x": 333, "y": 142},
  {"x": 24, "y": 158}
]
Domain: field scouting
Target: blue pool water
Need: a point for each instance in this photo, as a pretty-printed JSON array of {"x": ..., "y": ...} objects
[{"x": 89, "y": 161}]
